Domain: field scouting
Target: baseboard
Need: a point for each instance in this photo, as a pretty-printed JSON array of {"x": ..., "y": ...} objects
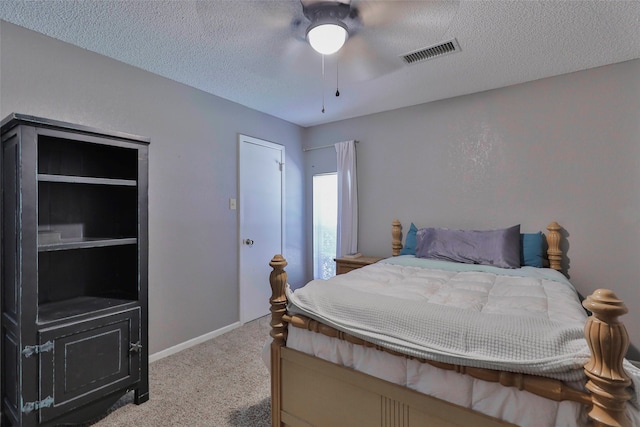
[{"x": 192, "y": 342}]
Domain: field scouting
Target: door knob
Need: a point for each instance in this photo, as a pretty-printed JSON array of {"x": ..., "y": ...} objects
[{"x": 248, "y": 242}]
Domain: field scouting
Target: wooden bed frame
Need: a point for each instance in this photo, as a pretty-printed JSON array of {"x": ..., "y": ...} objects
[{"x": 308, "y": 391}]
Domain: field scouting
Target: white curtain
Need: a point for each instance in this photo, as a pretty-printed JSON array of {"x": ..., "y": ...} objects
[{"x": 347, "y": 239}]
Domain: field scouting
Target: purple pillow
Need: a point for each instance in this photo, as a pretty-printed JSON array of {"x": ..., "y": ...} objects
[{"x": 499, "y": 248}]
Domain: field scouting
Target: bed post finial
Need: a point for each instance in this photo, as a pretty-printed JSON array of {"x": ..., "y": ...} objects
[
  {"x": 278, "y": 300},
  {"x": 396, "y": 237},
  {"x": 553, "y": 241},
  {"x": 608, "y": 340}
]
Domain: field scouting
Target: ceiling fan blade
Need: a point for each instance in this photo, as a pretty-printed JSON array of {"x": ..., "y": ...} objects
[
  {"x": 264, "y": 21},
  {"x": 433, "y": 16},
  {"x": 255, "y": 30},
  {"x": 295, "y": 56},
  {"x": 383, "y": 31},
  {"x": 359, "y": 61}
]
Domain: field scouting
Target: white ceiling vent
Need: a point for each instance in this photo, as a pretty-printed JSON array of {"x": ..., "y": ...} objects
[{"x": 431, "y": 52}]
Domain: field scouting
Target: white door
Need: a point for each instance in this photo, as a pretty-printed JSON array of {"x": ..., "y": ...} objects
[{"x": 261, "y": 180}]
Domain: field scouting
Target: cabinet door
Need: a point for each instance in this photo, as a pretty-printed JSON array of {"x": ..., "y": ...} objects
[{"x": 88, "y": 360}]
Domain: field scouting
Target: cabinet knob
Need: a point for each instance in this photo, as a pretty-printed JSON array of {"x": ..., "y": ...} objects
[
  {"x": 248, "y": 242},
  {"x": 135, "y": 347}
]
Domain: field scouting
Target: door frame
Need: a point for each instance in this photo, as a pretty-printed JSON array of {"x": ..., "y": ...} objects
[{"x": 242, "y": 139}]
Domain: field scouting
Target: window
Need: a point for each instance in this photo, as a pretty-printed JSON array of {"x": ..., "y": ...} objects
[{"x": 325, "y": 224}]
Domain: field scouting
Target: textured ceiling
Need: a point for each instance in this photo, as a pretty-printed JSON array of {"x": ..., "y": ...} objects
[{"x": 254, "y": 53}]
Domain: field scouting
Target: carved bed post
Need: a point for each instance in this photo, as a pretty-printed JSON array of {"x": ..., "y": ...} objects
[
  {"x": 278, "y": 300},
  {"x": 553, "y": 241},
  {"x": 608, "y": 340},
  {"x": 396, "y": 237}
]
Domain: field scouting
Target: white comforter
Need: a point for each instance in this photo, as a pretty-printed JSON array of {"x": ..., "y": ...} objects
[
  {"x": 520, "y": 323},
  {"x": 524, "y": 320}
]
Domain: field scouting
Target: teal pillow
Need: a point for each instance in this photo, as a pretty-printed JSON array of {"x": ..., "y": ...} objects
[
  {"x": 410, "y": 241},
  {"x": 532, "y": 249}
]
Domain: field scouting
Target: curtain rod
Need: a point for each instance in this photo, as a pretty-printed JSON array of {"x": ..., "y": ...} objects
[{"x": 321, "y": 147}]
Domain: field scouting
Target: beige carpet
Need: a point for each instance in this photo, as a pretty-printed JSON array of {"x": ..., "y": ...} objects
[{"x": 222, "y": 382}]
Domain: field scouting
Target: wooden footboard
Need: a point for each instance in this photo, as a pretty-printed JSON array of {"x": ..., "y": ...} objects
[{"x": 308, "y": 391}]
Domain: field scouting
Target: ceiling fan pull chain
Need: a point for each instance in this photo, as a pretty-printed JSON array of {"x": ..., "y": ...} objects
[
  {"x": 337, "y": 78},
  {"x": 322, "y": 84}
]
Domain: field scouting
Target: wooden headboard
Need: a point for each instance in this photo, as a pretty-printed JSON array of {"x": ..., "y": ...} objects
[{"x": 554, "y": 254}]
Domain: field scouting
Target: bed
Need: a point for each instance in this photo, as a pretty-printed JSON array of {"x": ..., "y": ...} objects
[{"x": 335, "y": 362}]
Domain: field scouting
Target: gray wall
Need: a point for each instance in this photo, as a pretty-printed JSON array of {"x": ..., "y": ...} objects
[
  {"x": 193, "y": 253},
  {"x": 563, "y": 149}
]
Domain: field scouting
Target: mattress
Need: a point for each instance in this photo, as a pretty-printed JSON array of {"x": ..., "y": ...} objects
[{"x": 506, "y": 403}]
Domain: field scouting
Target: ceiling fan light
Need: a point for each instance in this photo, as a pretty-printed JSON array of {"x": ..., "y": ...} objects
[{"x": 327, "y": 38}]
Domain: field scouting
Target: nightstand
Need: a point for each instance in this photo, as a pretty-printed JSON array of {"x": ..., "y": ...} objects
[{"x": 345, "y": 265}]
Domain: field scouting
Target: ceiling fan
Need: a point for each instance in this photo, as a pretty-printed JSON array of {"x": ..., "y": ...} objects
[{"x": 376, "y": 33}]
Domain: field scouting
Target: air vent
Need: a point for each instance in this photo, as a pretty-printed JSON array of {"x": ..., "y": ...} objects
[{"x": 432, "y": 52}]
